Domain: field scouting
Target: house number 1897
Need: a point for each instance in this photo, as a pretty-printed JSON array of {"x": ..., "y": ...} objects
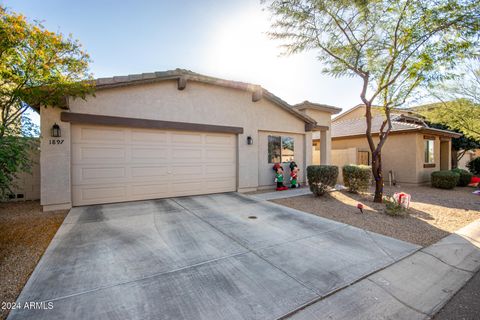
[{"x": 55, "y": 141}]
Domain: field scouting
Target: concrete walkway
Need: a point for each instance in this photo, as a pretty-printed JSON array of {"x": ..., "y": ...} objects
[
  {"x": 282, "y": 194},
  {"x": 414, "y": 288}
]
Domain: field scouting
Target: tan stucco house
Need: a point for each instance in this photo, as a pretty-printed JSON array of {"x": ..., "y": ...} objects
[
  {"x": 172, "y": 133},
  {"x": 412, "y": 152}
]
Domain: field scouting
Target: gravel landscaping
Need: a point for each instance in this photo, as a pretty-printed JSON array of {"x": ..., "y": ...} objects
[
  {"x": 25, "y": 232},
  {"x": 433, "y": 213}
]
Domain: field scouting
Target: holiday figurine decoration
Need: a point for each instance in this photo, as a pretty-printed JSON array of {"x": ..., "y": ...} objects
[
  {"x": 294, "y": 175},
  {"x": 279, "y": 176}
]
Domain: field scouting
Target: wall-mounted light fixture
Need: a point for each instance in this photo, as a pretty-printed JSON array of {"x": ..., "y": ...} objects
[
  {"x": 249, "y": 140},
  {"x": 56, "y": 131}
]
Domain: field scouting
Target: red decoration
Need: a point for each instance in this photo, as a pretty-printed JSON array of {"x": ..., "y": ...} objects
[{"x": 360, "y": 207}]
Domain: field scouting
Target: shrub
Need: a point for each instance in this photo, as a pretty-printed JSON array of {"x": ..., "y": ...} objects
[
  {"x": 465, "y": 177},
  {"x": 474, "y": 166},
  {"x": 356, "y": 178},
  {"x": 445, "y": 179},
  {"x": 320, "y": 178},
  {"x": 393, "y": 208}
]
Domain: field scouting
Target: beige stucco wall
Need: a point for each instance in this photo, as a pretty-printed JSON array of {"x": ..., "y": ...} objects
[
  {"x": 402, "y": 153},
  {"x": 469, "y": 155},
  {"x": 323, "y": 119},
  {"x": 396, "y": 155},
  {"x": 266, "y": 173},
  {"x": 342, "y": 157},
  {"x": 55, "y": 191},
  {"x": 198, "y": 103},
  {"x": 357, "y": 113}
]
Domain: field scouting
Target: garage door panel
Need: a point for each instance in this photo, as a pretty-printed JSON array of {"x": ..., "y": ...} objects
[
  {"x": 103, "y": 173},
  {"x": 186, "y": 154},
  {"x": 218, "y": 185},
  {"x": 187, "y": 172},
  {"x": 149, "y": 154},
  {"x": 192, "y": 187},
  {"x": 126, "y": 164},
  {"x": 221, "y": 140},
  {"x": 93, "y": 195},
  {"x": 219, "y": 155},
  {"x": 95, "y": 154},
  {"x": 187, "y": 138},
  {"x": 149, "y": 137},
  {"x": 154, "y": 172},
  {"x": 143, "y": 191},
  {"x": 219, "y": 170},
  {"x": 98, "y": 134}
]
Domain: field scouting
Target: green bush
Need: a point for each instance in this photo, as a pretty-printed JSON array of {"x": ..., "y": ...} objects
[
  {"x": 445, "y": 179},
  {"x": 474, "y": 166},
  {"x": 465, "y": 177},
  {"x": 320, "y": 178},
  {"x": 357, "y": 178}
]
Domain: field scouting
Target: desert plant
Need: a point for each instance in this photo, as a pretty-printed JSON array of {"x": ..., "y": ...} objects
[
  {"x": 356, "y": 177},
  {"x": 445, "y": 179},
  {"x": 393, "y": 208},
  {"x": 474, "y": 166},
  {"x": 464, "y": 177},
  {"x": 322, "y": 177}
]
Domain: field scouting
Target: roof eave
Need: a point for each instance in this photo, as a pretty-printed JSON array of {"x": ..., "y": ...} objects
[
  {"x": 165, "y": 76},
  {"x": 438, "y": 132}
]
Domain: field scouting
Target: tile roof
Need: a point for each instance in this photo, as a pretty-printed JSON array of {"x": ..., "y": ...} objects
[{"x": 358, "y": 127}]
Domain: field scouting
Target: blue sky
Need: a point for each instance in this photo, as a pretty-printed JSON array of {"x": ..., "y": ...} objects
[{"x": 218, "y": 38}]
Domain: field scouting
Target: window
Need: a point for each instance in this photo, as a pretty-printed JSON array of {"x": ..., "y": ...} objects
[
  {"x": 429, "y": 146},
  {"x": 280, "y": 149},
  {"x": 274, "y": 147}
]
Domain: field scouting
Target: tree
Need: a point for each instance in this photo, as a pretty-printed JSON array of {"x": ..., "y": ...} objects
[
  {"x": 459, "y": 106},
  {"x": 394, "y": 47},
  {"x": 37, "y": 68}
]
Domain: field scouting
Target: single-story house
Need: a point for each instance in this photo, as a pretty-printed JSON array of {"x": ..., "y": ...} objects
[
  {"x": 172, "y": 133},
  {"x": 411, "y": 153}
]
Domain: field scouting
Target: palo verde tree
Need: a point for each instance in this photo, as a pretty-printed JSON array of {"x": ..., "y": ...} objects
[
  {"x": 459, "y": 106},
  {"x": 394, "y": 47},
  {"x": 37, "y": 68}
]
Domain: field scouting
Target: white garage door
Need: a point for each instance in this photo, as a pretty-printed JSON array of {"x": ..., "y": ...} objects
[{"x": 111, "y": 164}]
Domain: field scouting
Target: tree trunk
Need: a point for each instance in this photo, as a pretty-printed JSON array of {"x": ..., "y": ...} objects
[
  {"x": 454, "y": 159},
  {"x": 378, "y": 176}
]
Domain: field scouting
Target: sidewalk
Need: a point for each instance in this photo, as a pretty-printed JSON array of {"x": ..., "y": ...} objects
[
  {"x": 416, "y": 287},
  {"x": 465, "y": 304}
]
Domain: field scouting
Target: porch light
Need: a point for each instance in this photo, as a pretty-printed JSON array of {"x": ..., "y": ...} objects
[
  {"x": 249, "y": 140},
  {"x": 56, "y": 132}
]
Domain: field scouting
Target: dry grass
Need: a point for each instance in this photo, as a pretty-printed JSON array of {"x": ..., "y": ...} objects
[
  {"x": 25, "y": 232},
  {"x": 433, "y": 213}
]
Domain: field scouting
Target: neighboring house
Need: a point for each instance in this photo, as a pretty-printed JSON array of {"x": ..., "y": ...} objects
[
  {"x": 172, "y": 133},
  {"x": 26, "y": 186},
  {"x": 411, "y": 153},
  {"x": 468, "y": 156}
]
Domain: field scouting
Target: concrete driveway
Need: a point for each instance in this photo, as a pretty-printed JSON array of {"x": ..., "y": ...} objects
[{"x": 202, "y": 257}]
